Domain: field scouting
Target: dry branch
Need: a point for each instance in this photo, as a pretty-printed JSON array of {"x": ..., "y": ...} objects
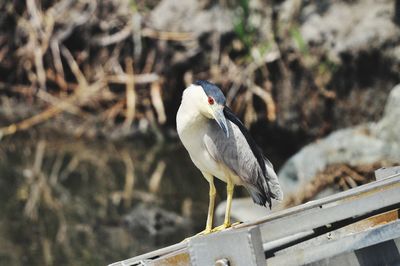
[
  {"x": 341, "y": 176},
  {"x": 73, "y": 56},
  {"x": 29, "y": 122},
  {"x": 129, "y": 179},
  {"x": 156, "y": 177},
  {"x": 156, "y": 99},
  {"x": 168, "y": 35},
  {"x": 130, "y": 94}
]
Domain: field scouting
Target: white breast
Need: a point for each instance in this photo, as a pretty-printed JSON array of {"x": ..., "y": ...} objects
[{"x": 192, "y": 127}]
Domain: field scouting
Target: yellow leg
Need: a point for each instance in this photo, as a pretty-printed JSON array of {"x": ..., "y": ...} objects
[
  {"x": 229, "y": 190},
  {"x": 227, "y": 221},
  {"x": 211, "y": 205}
]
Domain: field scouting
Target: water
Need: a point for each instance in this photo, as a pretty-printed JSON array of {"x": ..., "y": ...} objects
[{"x": 65, "y": 201}]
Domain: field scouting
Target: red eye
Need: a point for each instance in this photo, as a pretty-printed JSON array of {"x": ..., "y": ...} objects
[{"x": 210, "y": 100}]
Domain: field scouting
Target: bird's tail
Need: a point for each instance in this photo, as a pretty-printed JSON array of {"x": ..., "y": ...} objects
[
  {"x": 275, "y": 190},
  {"x": 267, "y": 187}
]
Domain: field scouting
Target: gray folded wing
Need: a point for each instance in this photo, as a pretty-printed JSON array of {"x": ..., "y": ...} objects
[{"x": 242, "y": 156}]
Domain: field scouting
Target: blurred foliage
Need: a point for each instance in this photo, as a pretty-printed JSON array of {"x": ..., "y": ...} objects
[
  {"x": 102, "y": 65},
  {"x": 100, "y": 74},
  {"x": 301, "y": 44},
  {"x": 244, "y": 30}
]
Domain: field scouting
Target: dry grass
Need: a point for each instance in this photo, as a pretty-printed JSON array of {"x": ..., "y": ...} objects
[
  {"x": 340, "y": 177},
  {"x": 75, "y": 57}
]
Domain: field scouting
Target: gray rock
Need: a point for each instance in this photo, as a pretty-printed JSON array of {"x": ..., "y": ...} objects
[
  {"x": 349, "y": 26},
  {"x": 363, "y": 144},
  {"x": 152, "y": 220},
  {"x": 190, "y": 16},
  {"x": 389, "y": 127}
]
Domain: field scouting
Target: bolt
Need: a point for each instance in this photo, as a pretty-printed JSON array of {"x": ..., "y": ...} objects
[{"x": 222, "y": 262}]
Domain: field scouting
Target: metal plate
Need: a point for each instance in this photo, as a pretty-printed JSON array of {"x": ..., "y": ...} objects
[{"x": 239, "y": 247}]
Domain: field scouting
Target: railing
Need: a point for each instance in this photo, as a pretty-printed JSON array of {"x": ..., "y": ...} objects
[{"x": 336, "y": 230}]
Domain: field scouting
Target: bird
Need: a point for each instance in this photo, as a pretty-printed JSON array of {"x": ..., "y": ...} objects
[{"x": 221, "y": 147}]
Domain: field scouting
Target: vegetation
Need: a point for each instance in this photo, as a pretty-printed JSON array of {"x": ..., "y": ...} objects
[{"x": 88, "y": 96}]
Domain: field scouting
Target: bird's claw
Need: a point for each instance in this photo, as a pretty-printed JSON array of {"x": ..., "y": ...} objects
[
  {"x": 224, "y": 226},
  {"x": 202, "y": 233},
  {"x": 221, "y": 227},
  {"x": 214, "y": 230}
]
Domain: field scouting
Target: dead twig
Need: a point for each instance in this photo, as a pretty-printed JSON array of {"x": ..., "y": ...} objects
[
  {"x": 129, "y": 178},
  {"x": 156, "y": 99},
  {"x": 29, "y": 122},
  {"x": 106, "y": 40},
  {"x": 156, "y": 177},
  {"x": 130, "y": 94},
  {"x": 269, "y": 101},
  {"x": 139, "y": 78},
  {"x": 168, "y": 35},
  {"x": 36, "y": 181},
  {"x": 74, "y": 68},
  {"x": 63, "y": 105},
  {"x": 48, "y": 113},
  {"x": 342, "y": 176}
]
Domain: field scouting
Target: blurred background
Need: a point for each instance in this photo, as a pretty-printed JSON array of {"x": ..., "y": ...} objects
[{"x": 91, "y": 168}]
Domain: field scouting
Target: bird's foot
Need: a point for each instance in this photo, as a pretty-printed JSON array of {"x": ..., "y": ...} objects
[
  {"x": 220, "y": 228},
  {"x": 202, "y": 233},
  {"x": 223, "y": 227}
]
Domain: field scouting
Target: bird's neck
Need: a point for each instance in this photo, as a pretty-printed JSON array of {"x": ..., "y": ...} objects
[{"x": 189, "y": 118}]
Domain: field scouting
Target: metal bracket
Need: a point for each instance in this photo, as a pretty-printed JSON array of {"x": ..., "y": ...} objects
[
  {"x": 383, "y": 172},
  {"x": 234, "y": 247}
]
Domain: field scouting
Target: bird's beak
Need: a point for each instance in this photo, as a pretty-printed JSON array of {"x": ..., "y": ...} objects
[{"x": 219, "y": 116}]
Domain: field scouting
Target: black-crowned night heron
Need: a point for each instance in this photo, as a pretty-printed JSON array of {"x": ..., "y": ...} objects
[{"x": 220, "y": 146}]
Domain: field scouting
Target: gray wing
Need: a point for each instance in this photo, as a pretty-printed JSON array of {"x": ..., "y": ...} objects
[{"x": 240, "y": 154}]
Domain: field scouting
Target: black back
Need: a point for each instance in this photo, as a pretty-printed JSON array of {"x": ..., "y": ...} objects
[{"x": 253, "y": 146}]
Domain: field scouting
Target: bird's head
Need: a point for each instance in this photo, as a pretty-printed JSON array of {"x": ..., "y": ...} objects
[{"x": 209, "y": 100}]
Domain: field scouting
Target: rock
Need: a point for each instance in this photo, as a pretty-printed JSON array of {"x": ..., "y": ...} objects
[
  {"x": 118, "y": 237},
  {"x": 363, "y": 144},
  {"x": 151, "y": 220},
  {"x": 190, "y": 16},
  {"x": 355, "y": 45},
  {"x": 389, "y": 127},
  {"x": 349, "y": 26}
]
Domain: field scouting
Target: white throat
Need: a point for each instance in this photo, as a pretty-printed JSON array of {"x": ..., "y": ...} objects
[{"x": 190, "y": 112}]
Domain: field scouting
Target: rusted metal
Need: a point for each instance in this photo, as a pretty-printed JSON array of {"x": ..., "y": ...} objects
[
  {"x": 353, "y": 228},
  {"x": 307, "y": 253},
  {"x": 373, "y": 221},
  {"x": 177, "y": 259},
  {"x": 179, "y": 248},
  {"x": 352, "y": 203}
]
